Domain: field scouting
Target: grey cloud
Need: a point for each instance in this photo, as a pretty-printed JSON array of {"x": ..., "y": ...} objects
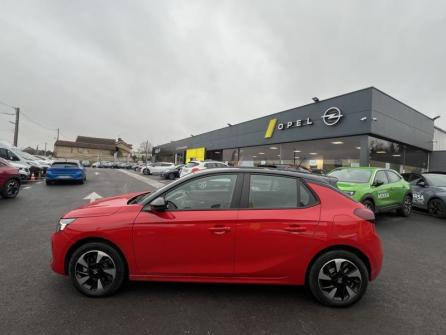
[{"x": 163, "y": 70}]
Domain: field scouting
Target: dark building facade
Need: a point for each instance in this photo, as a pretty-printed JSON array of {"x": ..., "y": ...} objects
[{"x": 361, "y": 128}]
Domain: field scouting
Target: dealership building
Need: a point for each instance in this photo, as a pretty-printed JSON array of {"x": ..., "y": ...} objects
[{"x": 362, "y": 128}]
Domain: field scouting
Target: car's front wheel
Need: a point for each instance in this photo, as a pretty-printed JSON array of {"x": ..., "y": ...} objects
[
  {"x": 97, "y": 269},
  {"x": 406, "y": 206},
  {"x": 171, "y": 176},
  {"x": 437, "y": 208},
  {"x": 338, "y": 278}
]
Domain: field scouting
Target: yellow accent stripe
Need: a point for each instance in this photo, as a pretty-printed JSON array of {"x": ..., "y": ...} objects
[{"x": 271, "y": 126}]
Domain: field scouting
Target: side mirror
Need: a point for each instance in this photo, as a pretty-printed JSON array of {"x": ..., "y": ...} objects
[
  {"x": 378, "y": 183},
  {"x": 159, "y": 204},
  {"x": 421, "y": 183}
]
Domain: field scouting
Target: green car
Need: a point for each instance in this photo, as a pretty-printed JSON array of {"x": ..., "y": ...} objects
[{"x": 378, "y": 189}]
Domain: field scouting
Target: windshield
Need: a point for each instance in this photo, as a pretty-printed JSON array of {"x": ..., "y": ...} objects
[
  {"x": 438, "y": 180},
  {"x": 352, "y": 175},
  {"x": 23, "y": 154}
]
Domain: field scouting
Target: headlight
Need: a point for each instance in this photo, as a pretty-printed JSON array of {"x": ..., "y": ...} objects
[
  {"x": 63, "y": 223},
  {"x": 349, "y": 193}
]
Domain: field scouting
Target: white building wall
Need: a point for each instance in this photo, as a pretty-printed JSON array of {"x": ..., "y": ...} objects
[{"x": 439, "y": 139}]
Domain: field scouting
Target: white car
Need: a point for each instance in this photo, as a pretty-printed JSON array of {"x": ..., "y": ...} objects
[
  {"x": 195, "y": 166},
  {"x": 157, "y": 168},
  {"x": 23, "y": 170}
]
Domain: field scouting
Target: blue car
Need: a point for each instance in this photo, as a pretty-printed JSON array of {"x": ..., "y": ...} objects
[{"x": 66, "y": 171}]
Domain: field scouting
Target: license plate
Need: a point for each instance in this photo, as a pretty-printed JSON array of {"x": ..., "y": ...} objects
[{"x": 63, "y": 177}]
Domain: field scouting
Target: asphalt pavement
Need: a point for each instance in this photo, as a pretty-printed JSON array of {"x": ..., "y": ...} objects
[{"x": 409, "y": 297}]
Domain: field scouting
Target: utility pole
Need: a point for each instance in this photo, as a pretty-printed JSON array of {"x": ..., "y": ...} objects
[
  {"x": 45, "y": 150},
  {"x": 147, "y": 150},
  {"x": 58, "y": 134},
  {"x": 16, "y": 124}
]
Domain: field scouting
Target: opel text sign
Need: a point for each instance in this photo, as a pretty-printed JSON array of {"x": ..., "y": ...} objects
[{"x": 331, "y": 117}]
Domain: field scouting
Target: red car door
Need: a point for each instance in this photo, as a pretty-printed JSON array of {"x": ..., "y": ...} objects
[
  {"x": 275, "y": 232},
  {"x": 195, "y": 235}
]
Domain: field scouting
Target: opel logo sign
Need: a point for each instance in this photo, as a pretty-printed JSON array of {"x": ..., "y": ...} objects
[{"x": 332, "y": 116}]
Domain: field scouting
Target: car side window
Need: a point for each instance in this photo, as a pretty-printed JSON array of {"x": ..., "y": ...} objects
[
  {"x": 381, "y": 177},
  {"x": 393, "y": 177},
  {"x": 213, "y": 192},
  {"x": 209, "y": 165},
  {"x": 267, "y": 191}
]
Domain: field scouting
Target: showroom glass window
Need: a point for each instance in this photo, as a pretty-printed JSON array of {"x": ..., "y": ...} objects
[
  {"x": 396, "y": 156},
  {"x": 213, "y": 192},
  {"x": 318, "y": 155}
]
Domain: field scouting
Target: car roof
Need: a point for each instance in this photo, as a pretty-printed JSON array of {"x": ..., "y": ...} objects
[{"x": 278, "y": 172}]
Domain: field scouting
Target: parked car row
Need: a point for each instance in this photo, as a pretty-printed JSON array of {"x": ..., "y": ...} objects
[
  {"x": 107, "y": 164},
  {"x": 27, "y": 164}
]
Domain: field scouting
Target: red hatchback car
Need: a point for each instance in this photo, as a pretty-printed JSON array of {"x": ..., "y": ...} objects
[
  {"x": 9, "y": 180},
  {"x": 228, "y": 226}
]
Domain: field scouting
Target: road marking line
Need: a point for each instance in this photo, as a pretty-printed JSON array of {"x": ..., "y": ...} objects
[
  {"x": 26, "y": 187},
  {"x": 146, "y": 180},
  {"x": 93, "y": 196}
]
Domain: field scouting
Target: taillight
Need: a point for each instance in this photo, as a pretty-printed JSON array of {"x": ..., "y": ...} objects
[
  {"x": 195, "y": 169},
  {"x": 365, "y": 214}
]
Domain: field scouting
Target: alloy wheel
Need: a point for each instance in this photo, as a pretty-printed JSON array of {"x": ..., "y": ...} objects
[
  {"x": 407, "y": 205},
  {"x": 436, "y": 208},
  {"x": 340, "y": 280},
  {"x": 95, "y": 270},
  {"x": 12, "y": 188}
]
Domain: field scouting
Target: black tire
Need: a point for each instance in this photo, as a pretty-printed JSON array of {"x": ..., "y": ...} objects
[
  {"x": 171, "y": 176},
  {"x": 333, "y": 291},
  {"x": 437, "y": 208},
  {"x": 369, "y": 204},
  {"x": 100, "y": 282},
  {"x": 11, "y": 188},
  {"x": 406, "y": 207}
]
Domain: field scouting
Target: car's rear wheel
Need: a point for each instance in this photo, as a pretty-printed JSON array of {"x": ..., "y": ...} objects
[
  {"x": 406, "y": 207},
  {"x": 11, "y": 188},
  {"x": 369, "y": 204},
  {"x": 97, "y": 269},
  {"x": 338, "y": 278},
  {"x": 437, "y": 208}
]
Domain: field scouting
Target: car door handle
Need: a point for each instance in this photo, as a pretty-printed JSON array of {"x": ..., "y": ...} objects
[
  {"x": 220, "y": 230},
  {"x": 295, "y": 229}
]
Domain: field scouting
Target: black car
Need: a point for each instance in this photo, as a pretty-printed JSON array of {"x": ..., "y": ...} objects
[{"x": 173, "y": 172}]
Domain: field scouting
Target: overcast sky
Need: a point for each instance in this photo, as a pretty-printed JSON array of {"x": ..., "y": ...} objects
[{"x": 162, "y": 70}]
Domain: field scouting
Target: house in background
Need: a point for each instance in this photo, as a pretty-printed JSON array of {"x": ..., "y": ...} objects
[{"x": 93, "y": 149}]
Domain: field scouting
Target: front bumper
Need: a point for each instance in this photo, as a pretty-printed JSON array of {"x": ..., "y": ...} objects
[{"x": 59, "y": 247}]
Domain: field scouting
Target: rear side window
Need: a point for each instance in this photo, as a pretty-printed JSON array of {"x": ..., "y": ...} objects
[
  {"x": 191, "y": 164},
  {"x": 209, "y": 165},
  {"x": 266, "y": 191},
  {"x": 393, "y": 177}
]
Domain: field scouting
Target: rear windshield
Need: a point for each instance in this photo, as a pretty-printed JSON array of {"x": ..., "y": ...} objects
[
  {"x": 352, "y": 175},
  {"x": 64, "y": 164},
  {"x": 191, "y": 164}
]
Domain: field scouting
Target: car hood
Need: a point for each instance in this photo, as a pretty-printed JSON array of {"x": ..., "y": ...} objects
[{"x": 102, "y": 207}]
